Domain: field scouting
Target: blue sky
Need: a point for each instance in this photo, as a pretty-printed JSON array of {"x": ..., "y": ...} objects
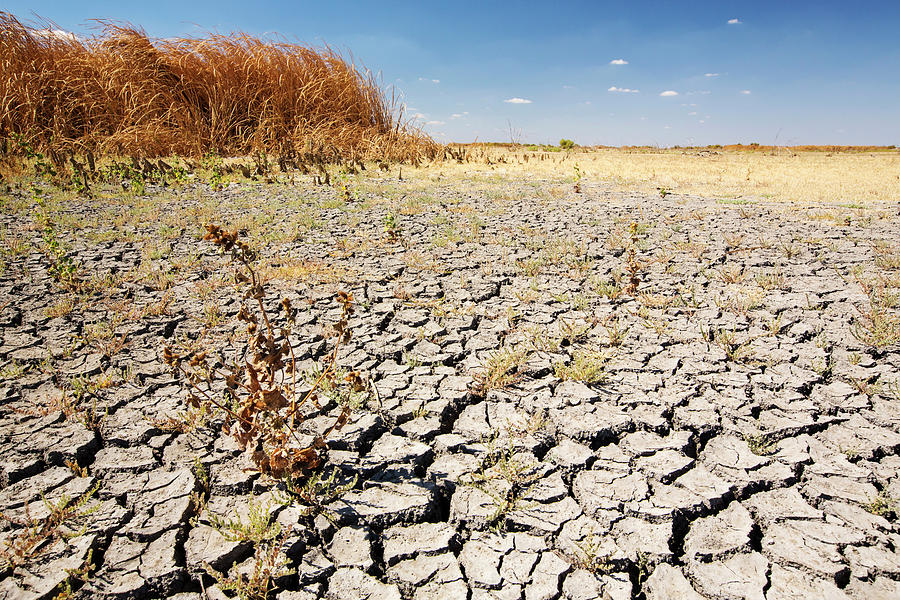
[{"x": 662, "y": 73}]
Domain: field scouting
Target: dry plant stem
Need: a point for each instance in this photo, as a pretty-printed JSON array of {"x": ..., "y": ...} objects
[
  {"x": 320, "y": 378},
  {"x": 266, "y": 411}
]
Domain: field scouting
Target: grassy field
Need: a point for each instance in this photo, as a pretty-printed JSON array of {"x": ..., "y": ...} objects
[{"x": 782, "y": 175}]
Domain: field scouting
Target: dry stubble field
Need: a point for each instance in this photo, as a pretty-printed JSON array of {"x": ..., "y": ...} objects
[{"x": 604, "y": 394}]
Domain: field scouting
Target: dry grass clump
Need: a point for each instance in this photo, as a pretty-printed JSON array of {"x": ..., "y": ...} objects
[{"x": 122, "y": 93}]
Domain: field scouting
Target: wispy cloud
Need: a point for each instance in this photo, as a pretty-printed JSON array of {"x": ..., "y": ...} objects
[
  {"x": 710, "y": 74},
  {"x": 429, "y": 80},
  {"x": 668, "y": 93},
  {"x": 435, "y": 123},
  {"x": 517, "y": 101},
  {"x": 745, "y": 92},
  {"x": 734, "y": 21},
  {"x": 60, "y": 34},
  {"x": 618, "y": 61},
  {"x": 459, "y": 115},
  {"x": 622, "y": 90}
]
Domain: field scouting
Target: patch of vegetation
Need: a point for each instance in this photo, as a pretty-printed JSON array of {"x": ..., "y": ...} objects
[
  {"x": 505, "y": 477},
  {"x": 587, "y": 366},
  {"x": 877, "y": 327},
  {"x": 591, "y": 555},
  {"x": 500, "y": 370},
  {"x": 63, "y": 267},
  {"x": 66, "y": 519},
  {"x": 883, "y": 505},
  {"x": 268, "y": 562},
  {"x": 760, "y": 444}
]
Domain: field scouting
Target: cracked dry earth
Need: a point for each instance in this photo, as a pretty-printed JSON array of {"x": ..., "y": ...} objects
[{"x": 682, "y": 466}]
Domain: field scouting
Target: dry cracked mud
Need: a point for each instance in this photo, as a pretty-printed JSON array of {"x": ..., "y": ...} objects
[{"x": 726, "y": 430}]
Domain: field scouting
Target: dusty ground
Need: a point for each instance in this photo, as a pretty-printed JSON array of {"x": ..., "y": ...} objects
[{"x": 729, "y": 429}]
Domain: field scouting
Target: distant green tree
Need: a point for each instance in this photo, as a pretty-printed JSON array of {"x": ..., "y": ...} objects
[{"x": 566, "y": 144}]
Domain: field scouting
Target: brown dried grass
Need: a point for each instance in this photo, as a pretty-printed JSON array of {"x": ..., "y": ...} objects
[{"x": 121, "y": 92}]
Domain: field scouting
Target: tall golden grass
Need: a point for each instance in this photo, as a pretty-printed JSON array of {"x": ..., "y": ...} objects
[{"x": 120, "y": 92}]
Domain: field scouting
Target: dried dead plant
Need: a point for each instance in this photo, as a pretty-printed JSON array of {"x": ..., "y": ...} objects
[
  {"x": 261, "y": 404},
  {"x": 633, "y": 267}
]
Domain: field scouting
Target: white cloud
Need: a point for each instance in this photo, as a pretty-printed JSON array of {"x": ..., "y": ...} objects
[
  {"x": 435, "y": 123},
  {"x": 710, "y": 74},
  {"x": 430, "y": 80},
  {"x": 692, "y": 113},
  {"x": 745, "y": 92},
  {"x": 618, "y": 61},
  {"x": 59, "y": 34},
  {"x": 517, "y": 101},
  {"x": 418, "y": 115},
  {"x": 568, "y": 87},
  {"x": 667, "y": 127},
  {"x": 734, "y": 21},
  {"x": 668, "y": 93},
  {"x": 457, "y": 115},
  {"x": 622, "y": 90},
  {"x": 702, "y": 121}
]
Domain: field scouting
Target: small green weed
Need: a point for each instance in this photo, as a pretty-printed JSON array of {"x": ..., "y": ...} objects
[
  {"x": 30, "y": 537},
  {"x": 498, "y": 371},
  {"x": 586, "y": 365},
  {"x": 760, "y": 444},
  {"x": 883, "y": 505}
]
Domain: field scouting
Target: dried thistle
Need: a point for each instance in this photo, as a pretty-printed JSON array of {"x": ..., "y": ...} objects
[{"x": 260, "y": 404}]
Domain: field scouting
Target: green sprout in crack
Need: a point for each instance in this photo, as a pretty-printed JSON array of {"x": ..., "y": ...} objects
[
  {"x": 66, "y": 519},
  {"x": 883, "y": 505},
  {"x": 592, "y": 555},
  {"x": 760, "y": 444},
  {"x": 315, "y": 493},
  {"x": 505, "y": 478},
  {"x": 500, "y": 370},
  {"x": 268, "y": 562},
  {"x": 588, "y": 366},
  {"x": 257, "y": 527}
]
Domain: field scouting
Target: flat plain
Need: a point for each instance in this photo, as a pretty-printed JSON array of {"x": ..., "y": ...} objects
[{"x": 679, "y": 380}]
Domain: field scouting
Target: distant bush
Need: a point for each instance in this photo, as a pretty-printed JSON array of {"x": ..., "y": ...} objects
[{"x": 566, "y": 144}]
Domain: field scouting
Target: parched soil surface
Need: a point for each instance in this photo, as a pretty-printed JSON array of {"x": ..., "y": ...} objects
[{"x": 728, "y": 430}]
